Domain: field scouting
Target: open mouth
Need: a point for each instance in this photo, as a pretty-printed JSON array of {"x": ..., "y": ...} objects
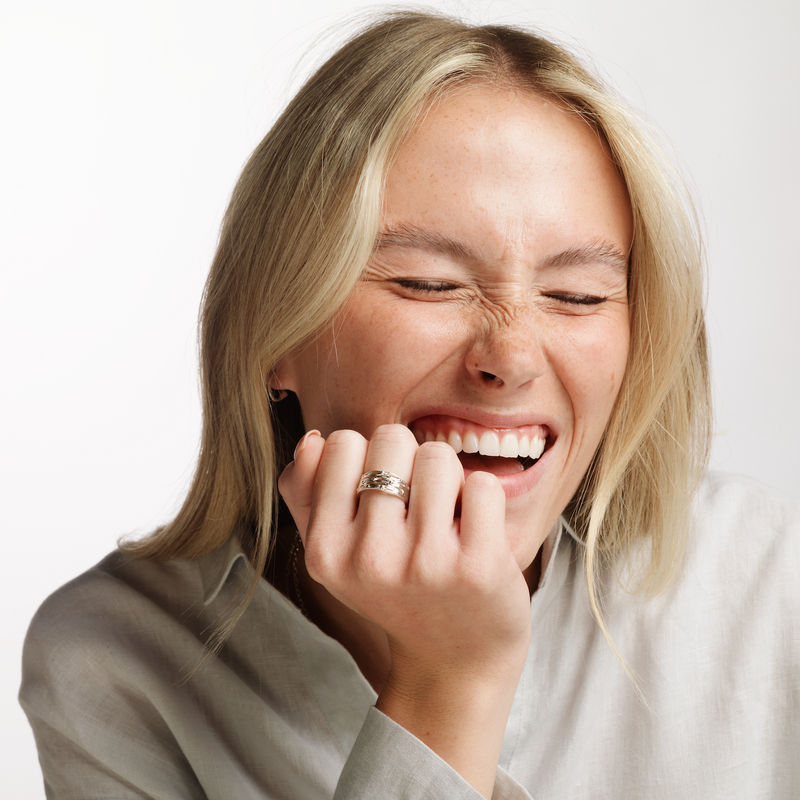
[{"x": 501, "y": 452}]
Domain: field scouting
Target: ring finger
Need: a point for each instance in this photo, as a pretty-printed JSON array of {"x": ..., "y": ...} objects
[{"x": 391, "y": 450}]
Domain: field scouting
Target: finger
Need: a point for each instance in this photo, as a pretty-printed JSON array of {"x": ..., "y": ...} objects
[
  {"x": 483, "y": 511},
  {"x": 340, "y": 468},
  {"x": 438, "y": 477},
  {"x": 296, "y": 483},
  {"x": 391, "y": 449},
  {"x": 328, "y": 539}
]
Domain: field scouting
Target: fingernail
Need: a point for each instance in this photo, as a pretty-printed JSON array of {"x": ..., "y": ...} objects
[{"x": 302, "y": 443}]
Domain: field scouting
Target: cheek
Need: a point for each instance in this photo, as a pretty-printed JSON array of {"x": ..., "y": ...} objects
[
  {"x": 592, "y": 362},
  {"x": 374, "y": 354},
  {"x": 397, "y": 342}
]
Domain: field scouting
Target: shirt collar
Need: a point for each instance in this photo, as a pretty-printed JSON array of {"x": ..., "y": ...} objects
[
  {"x": 550, "y": 547},
  {"x": 217, "y": 565}
]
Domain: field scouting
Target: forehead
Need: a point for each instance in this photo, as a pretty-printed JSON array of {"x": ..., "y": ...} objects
[{"x": 507, "y": 168}]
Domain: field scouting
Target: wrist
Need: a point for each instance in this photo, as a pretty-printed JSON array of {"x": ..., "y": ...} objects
[{"x": 460, "y": 715}]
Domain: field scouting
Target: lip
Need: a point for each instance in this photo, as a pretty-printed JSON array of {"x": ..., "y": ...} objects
[
  {"x": 487, "y": 419},
  {"x": 515, "y": 484}
]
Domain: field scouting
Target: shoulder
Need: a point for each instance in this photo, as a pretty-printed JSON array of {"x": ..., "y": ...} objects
[
  {"x": 126, "y": 608},
  {"x": 741, "y": 557},
  {"x": 118, "y": 595},
  {"x": 744, "y": 526},
  {"x": 738, "y": 570},
  {"x": 127, "y": 622},
  {"x": 94, "y": 632},
  {"x": 742, "y": 503}
]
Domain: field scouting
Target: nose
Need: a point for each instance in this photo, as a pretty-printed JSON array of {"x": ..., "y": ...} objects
[{"x": 507, "y": 355}]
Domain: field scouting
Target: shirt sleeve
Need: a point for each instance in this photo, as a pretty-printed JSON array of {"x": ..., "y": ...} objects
[
  {"x": 96, "y": 738},
  {"x": 389, "y": 762}
]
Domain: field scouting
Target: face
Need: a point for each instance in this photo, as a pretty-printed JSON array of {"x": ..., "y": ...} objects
[{"x": 494, "y": 312}]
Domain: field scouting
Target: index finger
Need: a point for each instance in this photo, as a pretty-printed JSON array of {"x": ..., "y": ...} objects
[{"x": 340, "y": 468}]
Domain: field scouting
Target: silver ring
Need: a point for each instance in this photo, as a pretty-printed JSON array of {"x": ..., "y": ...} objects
[{"x": 384, "y": 482}]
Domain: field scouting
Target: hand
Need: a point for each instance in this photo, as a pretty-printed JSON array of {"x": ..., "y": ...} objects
[{"x": 447, "y": 590}]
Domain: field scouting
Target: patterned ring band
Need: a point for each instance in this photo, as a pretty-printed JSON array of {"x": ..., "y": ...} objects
[{"x": 384, "y": 482}]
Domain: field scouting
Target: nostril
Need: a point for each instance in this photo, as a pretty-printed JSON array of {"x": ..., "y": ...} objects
[{"x": 488, "y": 376}]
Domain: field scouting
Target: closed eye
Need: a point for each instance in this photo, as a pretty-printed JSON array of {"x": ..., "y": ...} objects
[
  {"x": 426, "y": 287},
  {"x": 577, "y": 299}
]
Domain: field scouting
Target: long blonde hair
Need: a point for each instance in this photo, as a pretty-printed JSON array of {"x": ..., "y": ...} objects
[{"x": 301, "y": 226}]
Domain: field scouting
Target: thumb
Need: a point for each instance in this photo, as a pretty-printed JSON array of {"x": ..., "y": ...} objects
[{"x": 296, "y": 483}]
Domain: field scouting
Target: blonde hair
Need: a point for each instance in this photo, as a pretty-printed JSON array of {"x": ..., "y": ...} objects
[{"x": 300, "y": 229}]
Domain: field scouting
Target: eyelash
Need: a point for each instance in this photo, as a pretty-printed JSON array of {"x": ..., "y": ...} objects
[
  {"x": 429, "y": 287},
  {"x": 579, "y": 299}
]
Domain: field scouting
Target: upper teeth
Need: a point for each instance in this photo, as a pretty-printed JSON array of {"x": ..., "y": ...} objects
[{"x": 489, "y": 443}]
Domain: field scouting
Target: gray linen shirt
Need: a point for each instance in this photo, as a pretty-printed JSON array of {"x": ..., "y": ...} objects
[{"x": 121, "y": 709}]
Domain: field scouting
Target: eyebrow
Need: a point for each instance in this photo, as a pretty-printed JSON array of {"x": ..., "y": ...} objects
[
  {"x": 595, "y": 253},
  {"x": 411, "y": 237}
]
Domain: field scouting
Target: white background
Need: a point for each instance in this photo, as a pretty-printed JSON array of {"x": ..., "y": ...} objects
[{"x": 124, "y": 126}]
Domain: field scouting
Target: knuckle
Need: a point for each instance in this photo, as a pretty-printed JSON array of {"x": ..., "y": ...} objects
[
  {"x": 394, "y": 434},
  {"x": 344, "y": 439},
  {"x": 437, "y": 452},
  {"x": 428, "y": 566},
  {"x": 322, "y": 565},
  {"x": 369, "y": 568},
  {"x": 421, "y": 572},
  {"x": 380, "y": 556},
  {"x": 480, "y": 580}
]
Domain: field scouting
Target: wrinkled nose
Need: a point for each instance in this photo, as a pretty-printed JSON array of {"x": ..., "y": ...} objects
[{"x": 507, "y": 355}]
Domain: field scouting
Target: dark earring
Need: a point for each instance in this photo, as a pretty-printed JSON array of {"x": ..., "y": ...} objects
[{"x": 276, "y": 395}]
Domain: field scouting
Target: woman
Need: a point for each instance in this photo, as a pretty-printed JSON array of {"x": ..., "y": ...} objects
[{"x": 456, "y": 306}]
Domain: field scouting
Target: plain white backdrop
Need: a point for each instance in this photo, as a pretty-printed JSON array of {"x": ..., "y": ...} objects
[{"x": 124, "y": 126}]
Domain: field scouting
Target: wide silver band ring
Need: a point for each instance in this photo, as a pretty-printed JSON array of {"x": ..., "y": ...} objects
[{"x": 387, "y": 482}]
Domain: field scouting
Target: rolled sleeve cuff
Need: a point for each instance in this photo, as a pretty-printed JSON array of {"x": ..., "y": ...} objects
[{"x": 389, "y": 762}]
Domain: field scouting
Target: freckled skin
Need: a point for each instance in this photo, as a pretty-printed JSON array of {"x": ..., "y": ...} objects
[{"x": 517, "y": 179}]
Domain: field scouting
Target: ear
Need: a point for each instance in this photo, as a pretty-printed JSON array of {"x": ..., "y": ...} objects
[{"x": 282, "y": 380}]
